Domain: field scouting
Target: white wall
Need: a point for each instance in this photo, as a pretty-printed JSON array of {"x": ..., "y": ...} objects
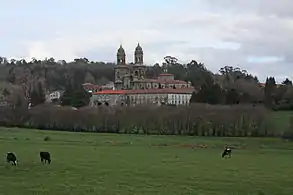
[
  {"x": 179, "y": 99},
  {"x": 112, "y": 99},
  {"x": 53, "y": 95}
]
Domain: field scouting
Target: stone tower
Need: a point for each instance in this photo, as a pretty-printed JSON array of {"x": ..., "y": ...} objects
[
  {"x": 121, "y": 70},
  {"x": 139, "y": 69},
  {"x": 138, "y": 55},
  {"x": 121, "y": 57}
]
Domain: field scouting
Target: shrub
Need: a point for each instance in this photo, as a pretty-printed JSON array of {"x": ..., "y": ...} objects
[
  {"x": 47, "y": 138},
  {"x": 197, "y": 119}
]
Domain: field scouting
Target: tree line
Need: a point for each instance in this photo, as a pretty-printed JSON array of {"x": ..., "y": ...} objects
[
  {"x": 228, "y": 103},
  {"x": 196, "y": 120},
  {"x": 230, "y": 85}
]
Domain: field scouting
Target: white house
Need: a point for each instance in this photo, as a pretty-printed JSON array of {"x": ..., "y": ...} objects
[{"x": 55, "y": 95}]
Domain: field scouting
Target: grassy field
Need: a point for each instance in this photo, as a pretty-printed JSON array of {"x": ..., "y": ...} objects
[
  {"x": 85, "y": 163},
  {"x": 281, "y": 119}
]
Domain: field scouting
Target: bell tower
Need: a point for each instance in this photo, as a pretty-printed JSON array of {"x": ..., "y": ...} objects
[
  {"x": 138, "y": 55},
  {"x": 138, "y": 69},
  {"x": 121, "y": 57},
  {"x": 121, "y": 70}
]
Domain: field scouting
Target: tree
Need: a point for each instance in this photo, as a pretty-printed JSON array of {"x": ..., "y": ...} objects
[
  {"x": 89, "y": 78},
  {"x": 57, "y": 74},
  {"x": 104, "y": 80},
  {"x": 249, "y": 90},
  {"x": 170, "y": 60},
  {"x": 211, "y": 94},
  {"x": 215, "y": 95},
  {"x": 232, "y": 97},
  {"x": 198, "y": 74},
  {"x": 279, "y": 93},
  {"x": 5, "y": 92},
  {"x": 75, "y": 97},
  {"x": 232, "y": 74},
  {"x": 153, "y": 71},
  {"x": 37, "y": 96},
  {"x": 11, "y": 76},
  {"x": 80, "y": 98},
  {"x": 193, "y": 98},
  {"x": 66, "y": 98},
  {"x": 287, "y": 82},
  {"x": 269, "y": 91}
]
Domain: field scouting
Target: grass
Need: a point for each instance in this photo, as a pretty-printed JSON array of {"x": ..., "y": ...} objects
[
  {"x": 86, "y": 163},
  {"x": 281, "y": 119}
]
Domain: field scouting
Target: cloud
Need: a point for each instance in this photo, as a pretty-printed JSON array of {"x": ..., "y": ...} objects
[
  {"x": 281, "y": 8},
  {"x": 218, "y": 33}
]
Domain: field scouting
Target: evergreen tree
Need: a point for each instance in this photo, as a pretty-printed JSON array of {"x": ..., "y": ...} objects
[
  {"x": 232, "y": 97},
  {"x": 193, "y": 98},
  {"x": 37, "y": 95},
  {"x": 67, "y": 96},
  {"x": 41, "y": 93},
  {"x": 209, "y": 93},
  {"x": 269, "y": 90},
  {"x": 80, "y": 98},
  {"x": 75, "y": 97}
]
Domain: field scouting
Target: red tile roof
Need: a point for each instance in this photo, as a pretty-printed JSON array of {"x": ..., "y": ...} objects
[{"x": 146, "y": 91}]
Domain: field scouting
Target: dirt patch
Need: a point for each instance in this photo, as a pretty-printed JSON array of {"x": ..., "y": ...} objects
[
  {"x": 160, "y": 145},
  {"x": 238, "y": 146},
  {"x": 117, "y": 143},
  {"x": 193, "y": 146}
]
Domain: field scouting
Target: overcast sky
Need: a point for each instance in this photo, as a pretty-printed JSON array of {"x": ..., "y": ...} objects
[{"x": 256, "y": 35}]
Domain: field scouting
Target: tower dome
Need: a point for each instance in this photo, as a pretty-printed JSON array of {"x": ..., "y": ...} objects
[
  {"x": 138, "y": 49},
  {"x": 120, "y": 50},
  {"x": 121, "y": 57}
]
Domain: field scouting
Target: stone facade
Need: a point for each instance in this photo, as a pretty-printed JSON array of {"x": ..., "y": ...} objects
[
  {"x": 132, "y": 88},
  {"x": 143, "y": 97},
  {"x": 132, "y": 76}
]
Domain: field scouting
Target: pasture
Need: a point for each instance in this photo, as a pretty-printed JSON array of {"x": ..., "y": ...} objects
[
  {"x": 281, "y": 119},
  {"x": 110, "y": 164}
]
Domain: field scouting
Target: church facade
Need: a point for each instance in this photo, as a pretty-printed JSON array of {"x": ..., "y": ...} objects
[
  {"x": 132, "y": 76},
  {"x": 126, "y": 75},
  {"x": 131, "y": 87}
]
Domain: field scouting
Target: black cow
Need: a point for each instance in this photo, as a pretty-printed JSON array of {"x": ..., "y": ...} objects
[
  {"x": 11, "y": 158},
  {"x": 227, "y": 152},
  {"x": 45, "y": 156}
]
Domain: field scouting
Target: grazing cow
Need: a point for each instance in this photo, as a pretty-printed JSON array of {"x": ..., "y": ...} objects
[
  {"x": 45, "y": 156},
  {"x": 11, "y": 158},
  {"x": 227, "y": 152}
]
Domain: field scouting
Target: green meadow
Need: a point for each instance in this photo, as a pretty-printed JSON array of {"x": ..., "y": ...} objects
[{"x": 110, "y": 164}]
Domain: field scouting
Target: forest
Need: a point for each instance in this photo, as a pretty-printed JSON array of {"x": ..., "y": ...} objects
[{"x": 231, "y": 102}]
